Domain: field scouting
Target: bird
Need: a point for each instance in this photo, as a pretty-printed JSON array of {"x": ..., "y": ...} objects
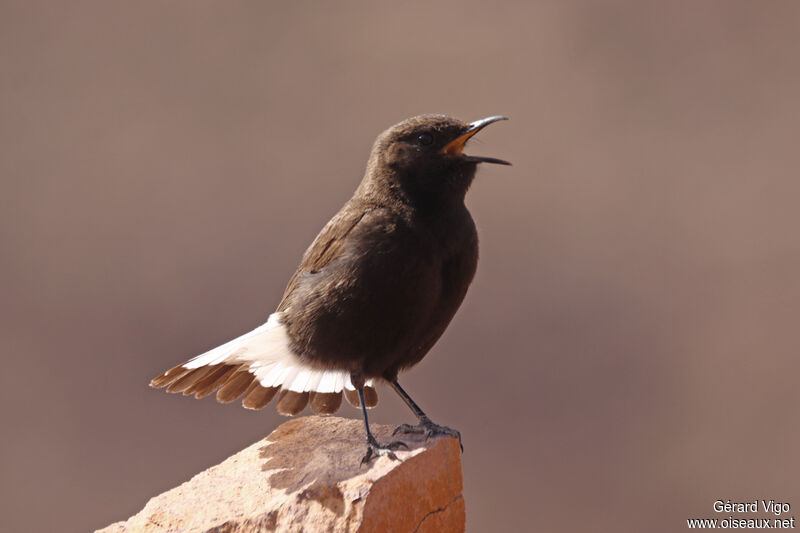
[{"x": 372, "y": 294}]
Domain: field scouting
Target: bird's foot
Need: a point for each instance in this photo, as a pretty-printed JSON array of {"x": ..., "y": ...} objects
[
  {"x": 376, "y": 450},
  {"x": 429, "y": 429}
]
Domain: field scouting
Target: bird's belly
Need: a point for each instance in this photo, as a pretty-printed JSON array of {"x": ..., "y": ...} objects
[{"x": 455, "y": 276}]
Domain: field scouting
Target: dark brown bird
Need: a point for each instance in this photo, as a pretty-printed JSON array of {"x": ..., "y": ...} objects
[{"x": 373, "y": 293}]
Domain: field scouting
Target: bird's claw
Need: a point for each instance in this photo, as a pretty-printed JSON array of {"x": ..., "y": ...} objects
[
  {"x": 408, "y": 428},
  {"x": 429, "y": 429},
  {"x": 376, "y": 450}
]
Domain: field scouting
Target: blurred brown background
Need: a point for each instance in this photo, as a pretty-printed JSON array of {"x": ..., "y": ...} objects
[{"x": 628, "y": 352}]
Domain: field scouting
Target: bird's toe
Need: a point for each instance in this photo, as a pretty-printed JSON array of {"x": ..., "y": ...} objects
[
  {"x": 377, "y": 450},
  {"x": 408, "y": 428},
  {"x": 429, "y": 429}
]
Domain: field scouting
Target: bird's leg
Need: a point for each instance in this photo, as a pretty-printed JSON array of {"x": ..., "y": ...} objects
[
  {"x": 425, "y": 426},
  {"x": 373, "y": 448}
]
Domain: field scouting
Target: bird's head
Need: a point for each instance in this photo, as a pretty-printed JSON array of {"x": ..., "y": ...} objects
[{"x": 423, "y": 158}]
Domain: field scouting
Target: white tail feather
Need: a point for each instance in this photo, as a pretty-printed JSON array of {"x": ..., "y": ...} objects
[{"x": 266, "y": 352}]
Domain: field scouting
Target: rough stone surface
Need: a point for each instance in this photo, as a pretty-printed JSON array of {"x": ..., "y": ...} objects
[{"x": 305, "y": 476}]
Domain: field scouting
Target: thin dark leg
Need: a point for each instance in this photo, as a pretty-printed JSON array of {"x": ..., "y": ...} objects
[
  {"x": 373, "y": 448},
  {"x": 409, "y": 402},
  {"x": 364, "y": 412},
  {"x": 425, "y": 426}
]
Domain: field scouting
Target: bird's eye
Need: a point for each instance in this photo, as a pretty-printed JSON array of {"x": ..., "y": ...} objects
[{"x": 425, "y": 139}]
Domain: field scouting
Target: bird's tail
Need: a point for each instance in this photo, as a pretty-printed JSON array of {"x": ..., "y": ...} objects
[{"x": 260, "y": 365}]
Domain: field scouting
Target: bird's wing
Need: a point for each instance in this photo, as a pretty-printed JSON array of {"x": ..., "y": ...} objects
[
  {"x": 328, "y": 245},
  {"x": 365, "y": 291},
  {"x": 261, "y": 364}
]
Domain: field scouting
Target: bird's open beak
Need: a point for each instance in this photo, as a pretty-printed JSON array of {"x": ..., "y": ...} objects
[{"x": 456, "y": 146}]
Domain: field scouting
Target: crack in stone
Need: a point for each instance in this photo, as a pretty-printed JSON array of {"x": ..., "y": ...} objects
[{"x": 436, "y": 511}]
